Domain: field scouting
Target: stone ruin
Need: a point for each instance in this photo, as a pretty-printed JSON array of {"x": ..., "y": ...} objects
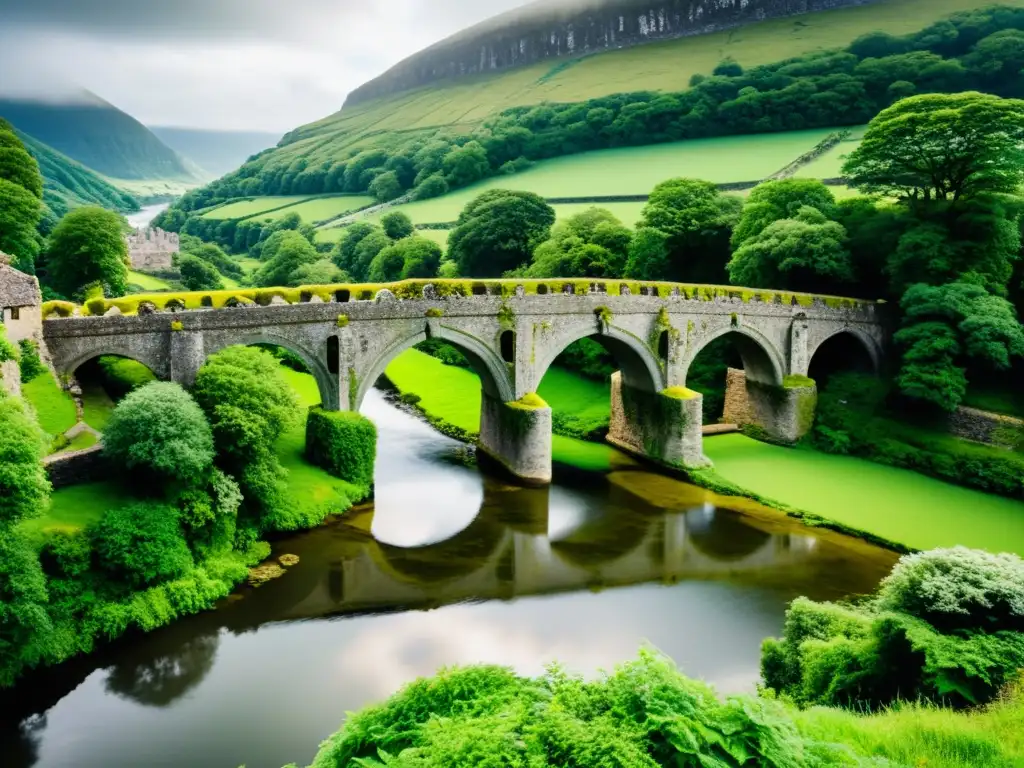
[{"x": 152, "y": 250}]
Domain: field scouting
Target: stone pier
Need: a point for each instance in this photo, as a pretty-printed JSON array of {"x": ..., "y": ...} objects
[{"x": 518, "y": 437}]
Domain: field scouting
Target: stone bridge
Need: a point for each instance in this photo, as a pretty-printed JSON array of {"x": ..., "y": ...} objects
[{"x": 512, "y": 333}]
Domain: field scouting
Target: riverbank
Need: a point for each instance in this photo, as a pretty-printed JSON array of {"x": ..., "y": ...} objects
[{"x": 895, "y": 507}]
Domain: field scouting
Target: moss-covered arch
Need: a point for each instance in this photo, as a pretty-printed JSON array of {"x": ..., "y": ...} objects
[
  {"x": 485, "y": 361},
  {"x": 762, "y": 361},
  {"x": 637, "y": 361}
]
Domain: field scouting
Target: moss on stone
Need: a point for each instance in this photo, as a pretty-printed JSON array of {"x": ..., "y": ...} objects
[
  {"x": 680, "y": 393},
  {"x": 531, "y": 401},
  {"x": 343, "y": 321},
  {"x": 177, "y": 325},
  {"x": 796, "y": 381},
  {"x": 434, "y": 312},
  {"x": 604, "y": 314}
]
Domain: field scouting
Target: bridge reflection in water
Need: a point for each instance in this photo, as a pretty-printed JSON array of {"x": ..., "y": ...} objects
[{"x": 513, "y": 549}]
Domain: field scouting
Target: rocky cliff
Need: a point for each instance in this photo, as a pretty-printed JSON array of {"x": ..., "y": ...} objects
[{"x": 565, "y": 28}]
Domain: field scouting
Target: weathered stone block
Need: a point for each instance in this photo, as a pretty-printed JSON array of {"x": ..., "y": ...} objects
[{"x": 518, "y": 437}]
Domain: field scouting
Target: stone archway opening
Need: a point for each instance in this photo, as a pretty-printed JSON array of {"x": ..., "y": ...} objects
[
  {"x": 103, "y": 382},
  {"x": 721, "y": 372},
  {"x": 842, "y": 353}
]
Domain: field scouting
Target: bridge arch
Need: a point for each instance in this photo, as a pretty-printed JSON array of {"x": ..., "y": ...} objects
[
  {"x": 762, "y": 361},
  {"x": 153, "y": 360},
  {"x": 639, "y": 366},
  {"x": 316, "y": 364},
  {"x": 851, "y": 341},
  {"x": 485, "y": 361}
]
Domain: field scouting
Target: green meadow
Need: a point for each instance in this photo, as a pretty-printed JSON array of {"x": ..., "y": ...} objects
[
  {"x": 147, "y": 282},
  {"x": 256, "y": 205},
  {"x": 896, "y": 504}
]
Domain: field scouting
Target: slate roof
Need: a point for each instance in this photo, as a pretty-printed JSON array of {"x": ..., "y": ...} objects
[{"x": 17, "y": 289}]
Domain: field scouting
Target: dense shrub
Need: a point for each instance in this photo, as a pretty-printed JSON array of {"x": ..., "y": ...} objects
[
  {"x": 24, "y": 487},
  {"x": 644, "y": 714},
  {"x": 958, "y": 589},
  {"x": 24, "y": 623},
  {"x": 343, "y": 443},
  {"x": 30, "y": 364},
  {"x": 141, "y": 544},
  {"x": 209, "y": 515},
  {"x": 889, "y": 649},
  {"x": 160, "y": 431}
]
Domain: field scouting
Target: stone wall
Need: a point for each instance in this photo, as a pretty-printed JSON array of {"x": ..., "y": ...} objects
[
  {"x": 77, "y": 467},
  {"x": 737, "y": 402},
  {"x": 555, "y": 29},
  {"x": 152, "y": 250},
  {"x": 10, "y": 378},
  {"x": 985, "y": 427},
  {"x": 518, "y": 439}
]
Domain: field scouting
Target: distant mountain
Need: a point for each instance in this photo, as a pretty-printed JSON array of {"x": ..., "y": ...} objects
[
  {"x": 99, "y": 136},
  {"x": 67, "y": 184},
  {"x": 217, "y": 152}
]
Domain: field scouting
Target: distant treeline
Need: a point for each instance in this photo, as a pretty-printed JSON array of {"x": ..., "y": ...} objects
[{"x": 981, "y": 50}]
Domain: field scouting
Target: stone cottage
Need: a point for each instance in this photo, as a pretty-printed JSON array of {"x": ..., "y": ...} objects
[{"x": 20, "y": 314}]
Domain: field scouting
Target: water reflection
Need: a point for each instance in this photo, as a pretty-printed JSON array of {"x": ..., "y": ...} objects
[{"x": 447, "y": 567}]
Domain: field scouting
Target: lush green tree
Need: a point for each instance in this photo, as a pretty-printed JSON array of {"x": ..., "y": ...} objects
[
  {"x": 247, "y": 400},
  {"x": 161, "y": 434},
  {"x": 432, "y": 186},
  {"x": 366, "y": 251},
  {"x": 698, "y": 221},
  {"x": 410, "y": 257},
  {"x": 648, "y": 255},
  {"x": 947, "y": 328},
  {"x": 498, "y": 231},
  {"x": 249, "y": 405},
  {"x": 20, "y": 211},
  {"x": 873, "y": 231},
  {"x": 214, "y": 255},
  {"x": 87, "y": 247},
  {"x": 21, "y": 192},
  {"x": 141, "y": 544},
  {"x": 24, "y": 488},
  {"x": 397, "y": 225},
  {"x": 805, "y": 253},
  {"x": 386, "y": 266},
  {"x": 466, "y": 164},
  {"x": 590, "y": 244},
  {"x": 198, "y": 275},
  {"x": 293, "y": 252},
  {"x": 25, "y": 627},
  {"x": 320, "y": 272},
  {"x": 386, "y": 187},
  {"x": 977, "y": 240},
  {"x": 344, "y": 252},
  {"x": 942, "y": 147},
  {"x": 773, "y": 201}
]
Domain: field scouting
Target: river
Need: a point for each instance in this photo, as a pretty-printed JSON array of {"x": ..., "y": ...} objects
[
  {"x": 146, "y": 215},
  {"x": 446, "y": 567}
]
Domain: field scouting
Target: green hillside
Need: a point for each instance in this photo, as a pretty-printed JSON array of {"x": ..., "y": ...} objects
[
  {"x": 99, "y": 136},
  {"x": 67, "y": 184},
  {"x": 813, "y": 72},
  {"x": 467, "y": 102}
]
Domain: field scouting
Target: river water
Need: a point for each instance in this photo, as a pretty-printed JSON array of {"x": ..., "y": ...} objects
[
  {"x": 146, "y": 214},
  {"x": 446, "y": 567}
]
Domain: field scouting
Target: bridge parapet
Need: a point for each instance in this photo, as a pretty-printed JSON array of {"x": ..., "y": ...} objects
[{"x": 511, "y": 331}]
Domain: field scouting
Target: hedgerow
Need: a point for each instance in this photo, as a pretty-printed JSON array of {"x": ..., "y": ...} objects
[{"x": 343, "y": 443}]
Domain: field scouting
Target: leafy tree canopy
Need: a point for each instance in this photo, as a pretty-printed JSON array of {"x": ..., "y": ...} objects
[
  {"x": 198, "y": 275},
  {"x": 397, "y": 225},
  {"x": 804, "y": 253},
  {"x": 24, "y": 488},
  {"x": 590, "y": 244},
  {"x": 159, "y": 431},
  {"x": 942, "y": 147},
  {"x": 291, "y": 252},
  {"x": 498, "y": 231},
  {"x": 86, "y": 247},
  {"x": 774, "y": 200}
]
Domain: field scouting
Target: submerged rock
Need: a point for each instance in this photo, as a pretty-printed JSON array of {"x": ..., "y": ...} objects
[{"x": 288, "y": 560}]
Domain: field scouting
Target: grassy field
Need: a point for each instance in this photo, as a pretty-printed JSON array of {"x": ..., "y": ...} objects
[
  {"x": 453, "y": 394},
  {"x": 253, "y": 207},
  {"x": 829, "y": 165},
  {"x": 897, "y": 504},
  {"x": 54, "y": 407},
  {"x": 147, "y": 282},
  {"x": 96, "y": 405},
  {"x": 76, "y": 506},
  {"x": 632, "y": 171}
]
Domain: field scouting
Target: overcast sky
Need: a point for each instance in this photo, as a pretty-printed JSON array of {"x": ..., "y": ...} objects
[{"x": 226, "y": 64}]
